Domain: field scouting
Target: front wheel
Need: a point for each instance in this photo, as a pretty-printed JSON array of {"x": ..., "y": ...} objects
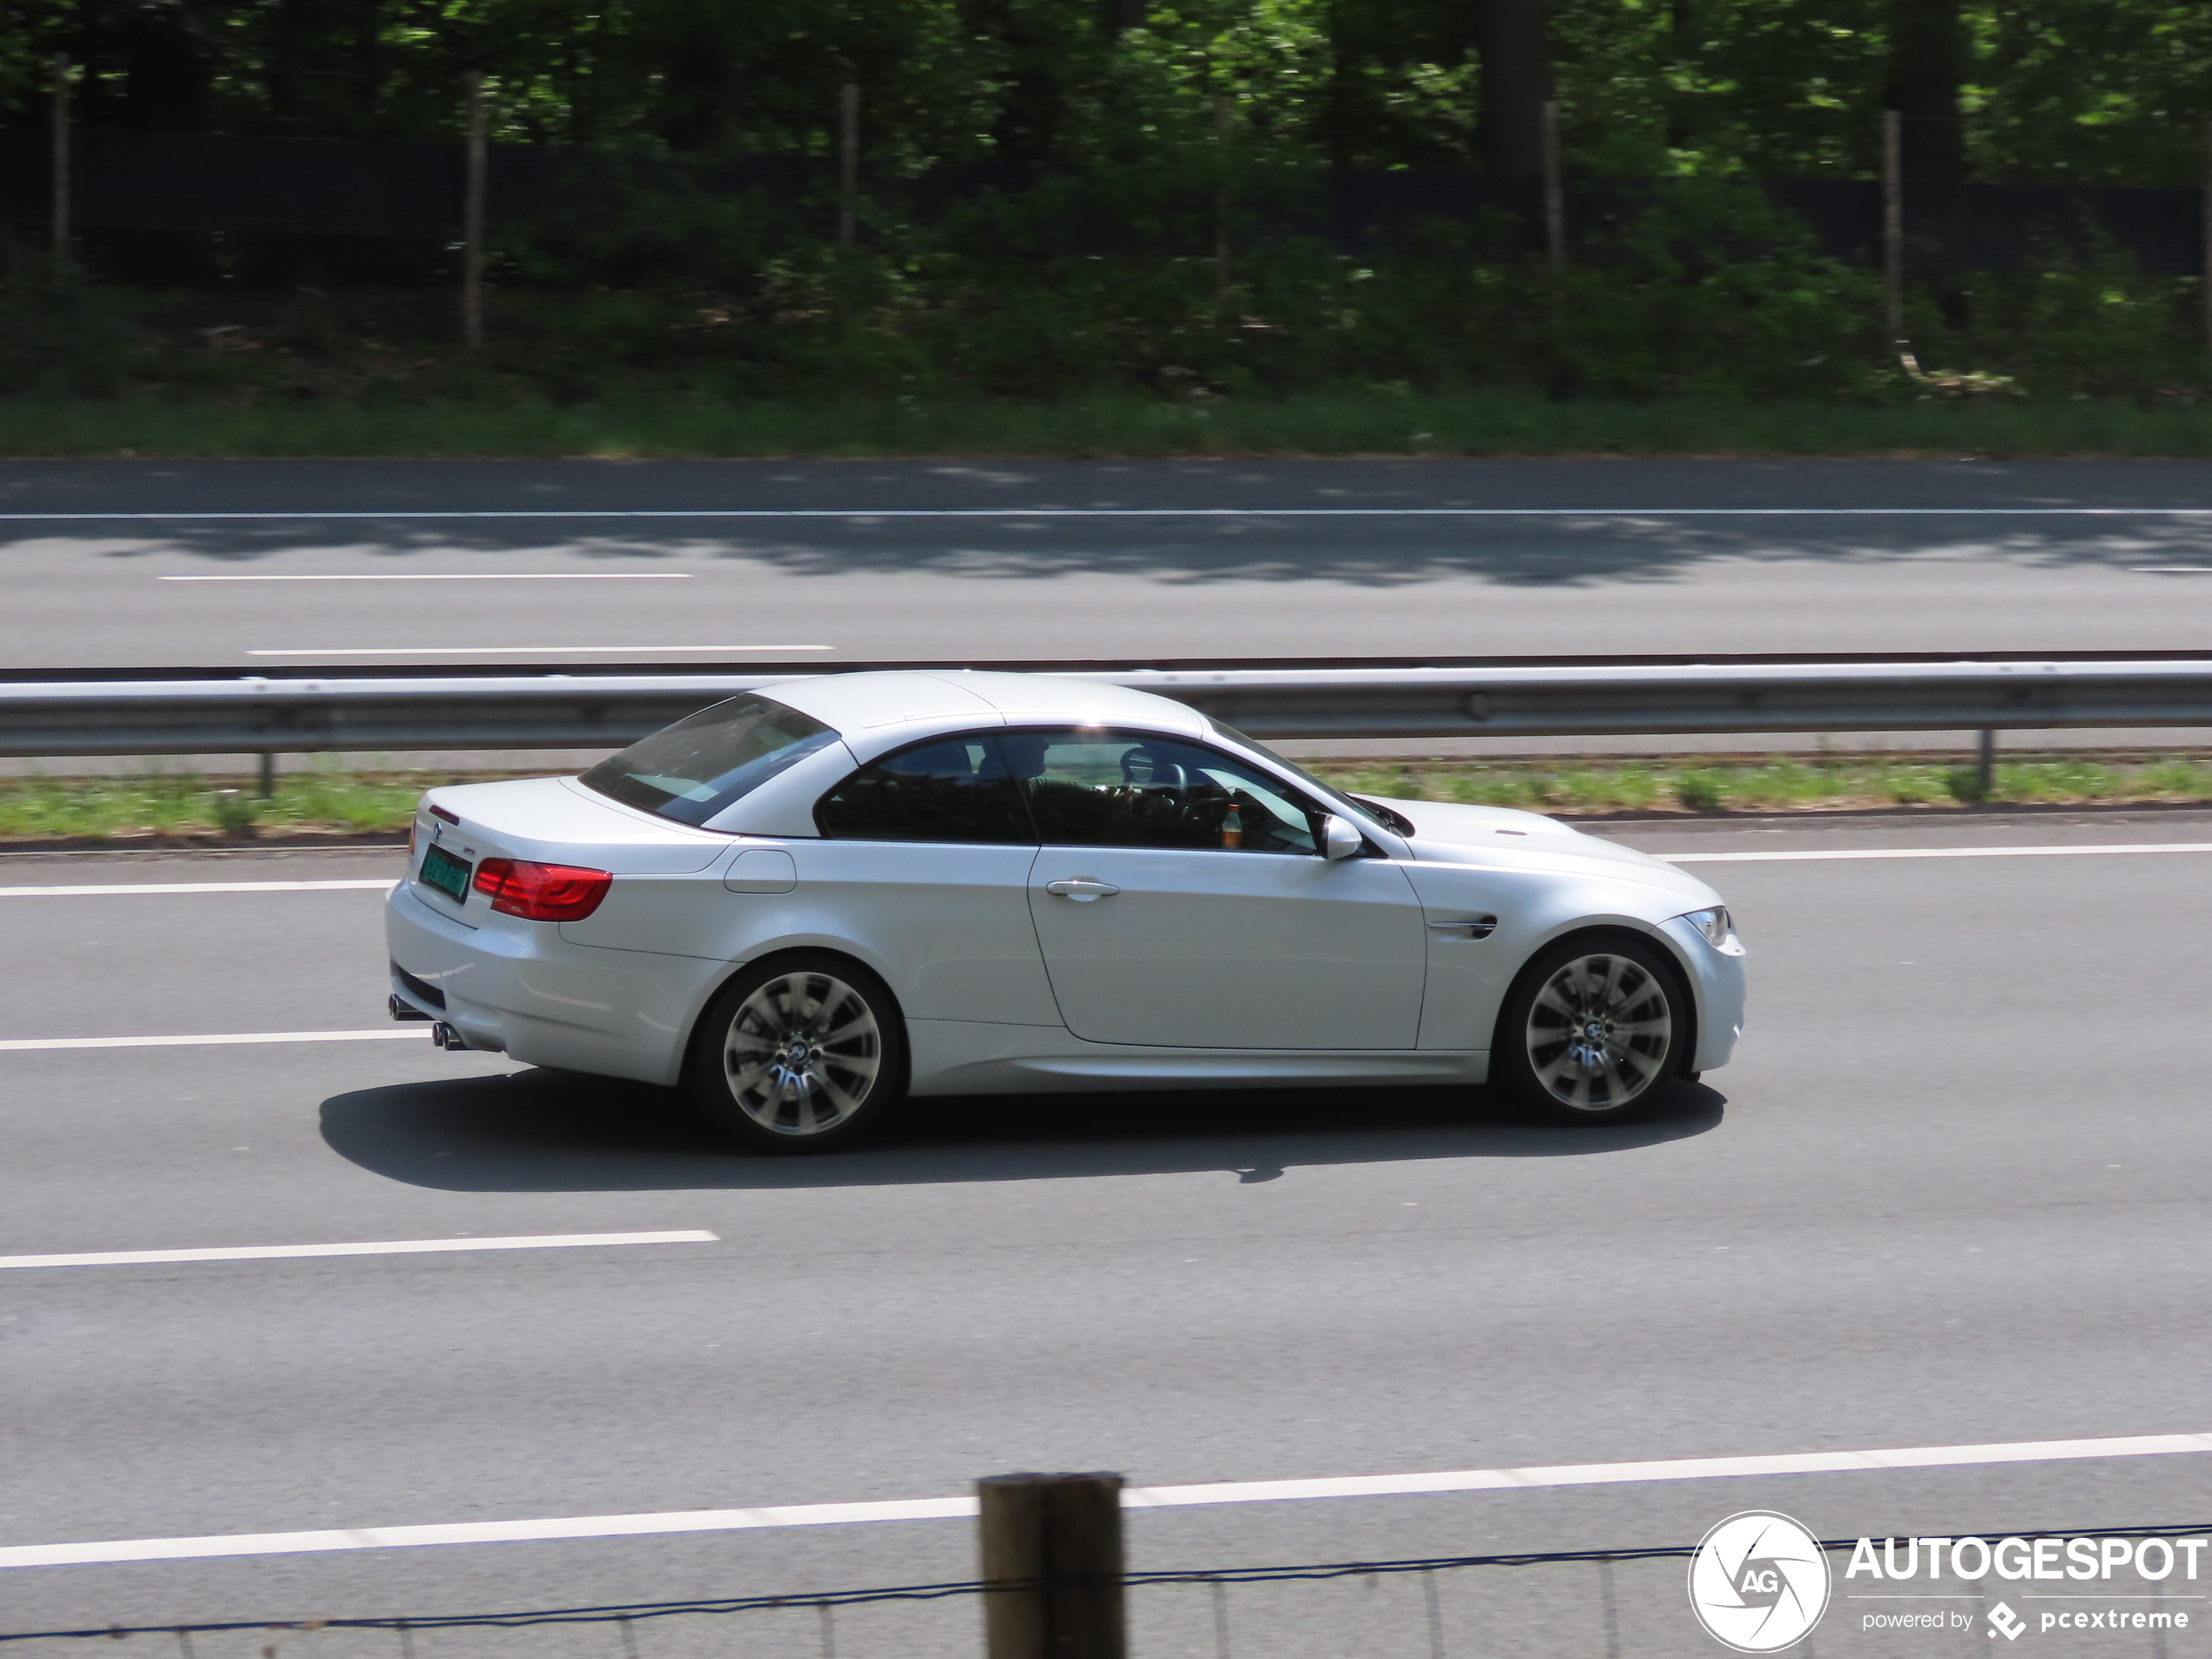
[
  {"x": 1592, "y": 1027},
  {"x": 802, "y": 1053}
]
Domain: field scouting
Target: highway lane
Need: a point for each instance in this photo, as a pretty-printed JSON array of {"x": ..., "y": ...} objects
[
  {"x": 109, "y": 563},
  {"x": 1953, "y": 1191}
]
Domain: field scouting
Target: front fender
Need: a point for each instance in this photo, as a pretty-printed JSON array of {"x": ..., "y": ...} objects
[{"x": 1469, "y": 977}]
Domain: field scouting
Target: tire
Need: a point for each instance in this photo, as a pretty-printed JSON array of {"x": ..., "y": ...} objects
[
  {"x": 1625, "y": 1002},
  {"x": 803, "y": 1053}
]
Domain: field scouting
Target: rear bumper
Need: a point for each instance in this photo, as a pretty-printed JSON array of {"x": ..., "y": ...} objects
[{"x": 518, "y": 987}]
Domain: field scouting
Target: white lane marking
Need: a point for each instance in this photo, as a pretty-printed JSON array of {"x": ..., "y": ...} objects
[
  {"x": 459, "y": 575},
  {"x": 194, "y": 886},
  {"x": 394, "y": 1247},
  {"x": 831, "y": 1514},
  {"x": 2171, "y": 570},
  {"x": 218, "y": 1040},
  {"x": 515, "y": 651},
  {"x": 1934, "y": 853},
  {"x": 1707, "y": 1468},
  {"x": 864, "y": 514}
]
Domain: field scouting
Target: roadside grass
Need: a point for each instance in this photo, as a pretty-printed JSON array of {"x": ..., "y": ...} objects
[
  {"x": 160, "y": 808},
  {"x": 183, "y": 807},
  {"x": 1779, "y": 784},
  {"x": 1352, "y": 422}
]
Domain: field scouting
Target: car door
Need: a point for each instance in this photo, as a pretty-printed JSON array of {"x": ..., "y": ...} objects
[
  {"x": 924, "y": 856},
  {"x": 1182, "y": 901}
]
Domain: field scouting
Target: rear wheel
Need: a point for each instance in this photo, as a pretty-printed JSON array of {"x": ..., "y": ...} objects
[
  {"x": 799, "y": 1054},
  {"x": 1592, "y": 1028}
]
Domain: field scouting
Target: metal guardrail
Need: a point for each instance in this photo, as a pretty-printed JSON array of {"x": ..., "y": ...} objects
[{"x": 253, "y": 715}]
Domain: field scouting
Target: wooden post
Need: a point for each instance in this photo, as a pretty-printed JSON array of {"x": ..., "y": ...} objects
[
  {"x": 61, "y": 181},
  {"x": 1221, "y": 123},
  {"x": 1056, "y": 1541},
  {"x": 848, "y": 159},
  {"x": 1893, "y": 226},
  {"x": 1554, "y": 190},
  {"x": 472, "y": 220},
  {"x": 2207, "y": 295}
]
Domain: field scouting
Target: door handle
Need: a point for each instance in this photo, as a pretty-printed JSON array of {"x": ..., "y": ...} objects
[{"x": 1083, "y": 888}]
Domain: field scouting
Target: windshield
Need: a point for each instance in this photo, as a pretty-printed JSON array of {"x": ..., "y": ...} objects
[
  {"x": 1365, "y": 808},
  {"x": 691, "y": 770}
]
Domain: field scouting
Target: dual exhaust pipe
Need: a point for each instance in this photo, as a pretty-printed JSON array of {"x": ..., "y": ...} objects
[{"x": 441, "y": 1034}]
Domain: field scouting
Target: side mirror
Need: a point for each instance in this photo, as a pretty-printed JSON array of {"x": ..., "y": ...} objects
[{"x": 1339, "y": 839}]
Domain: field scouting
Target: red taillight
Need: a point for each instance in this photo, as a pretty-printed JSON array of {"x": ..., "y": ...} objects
[{"x": 542, "y": 892}]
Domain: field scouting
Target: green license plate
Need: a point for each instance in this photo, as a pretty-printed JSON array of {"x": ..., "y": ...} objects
[{"x": 449, "y": 874}]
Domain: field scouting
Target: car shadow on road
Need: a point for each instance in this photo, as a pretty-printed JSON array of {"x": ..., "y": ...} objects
[{"x": 552, "y": 1132}]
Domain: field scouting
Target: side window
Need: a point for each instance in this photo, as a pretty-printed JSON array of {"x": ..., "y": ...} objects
[
  {"x": 1089, "y": 788},
  {"x": 949, "y": 789}
]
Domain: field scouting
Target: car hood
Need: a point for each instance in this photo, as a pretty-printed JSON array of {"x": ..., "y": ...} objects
[{"x": 1447, "y": 832}]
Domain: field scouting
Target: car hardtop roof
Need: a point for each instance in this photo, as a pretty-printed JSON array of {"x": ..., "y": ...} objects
[{"x": 867, "y": 704}]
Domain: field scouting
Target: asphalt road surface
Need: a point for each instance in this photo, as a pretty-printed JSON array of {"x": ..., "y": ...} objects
[
  {"x": 1953, "y": 1192},
  {"x": 272, "y": 564}
]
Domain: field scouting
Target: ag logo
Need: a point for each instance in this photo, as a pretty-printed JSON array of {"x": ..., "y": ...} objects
[{"x": 1758, "y": 1583}]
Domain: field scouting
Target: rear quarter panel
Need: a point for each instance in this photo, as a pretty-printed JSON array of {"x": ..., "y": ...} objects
[{"x": 947, "y": 928}]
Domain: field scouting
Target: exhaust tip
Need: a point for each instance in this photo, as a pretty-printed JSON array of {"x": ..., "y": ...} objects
[
  {"x": 403, "y": 1010},
  {"x": 445, "y": 1036}
]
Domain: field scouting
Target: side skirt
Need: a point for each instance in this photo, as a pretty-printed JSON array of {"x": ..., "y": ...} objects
[{"x": 958, "y": 1057}]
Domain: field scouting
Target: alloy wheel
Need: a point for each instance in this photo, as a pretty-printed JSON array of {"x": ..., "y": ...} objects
[
  {"x": 803, "y": 1054},
  {"x": 1599, "y": 1032}
]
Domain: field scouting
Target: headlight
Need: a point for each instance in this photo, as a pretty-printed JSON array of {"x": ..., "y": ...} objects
[{"x": 1714, "y": 924}]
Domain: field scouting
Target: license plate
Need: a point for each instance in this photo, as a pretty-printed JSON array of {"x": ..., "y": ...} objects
[{"x": 449, "y": 874}]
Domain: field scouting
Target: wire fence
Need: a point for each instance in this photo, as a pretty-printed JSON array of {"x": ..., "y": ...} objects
[
  {"x": 1613, "y": 1604},
  {"x": 352, "y": 188}
]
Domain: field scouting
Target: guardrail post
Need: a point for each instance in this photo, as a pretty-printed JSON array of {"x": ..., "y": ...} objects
[
  {"x": 1985, "y": 764},
  {"x": 1054, "y": 1542}
]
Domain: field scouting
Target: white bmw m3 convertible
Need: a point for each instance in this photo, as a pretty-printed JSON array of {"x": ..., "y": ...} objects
[{"x": 804, "y": 902}]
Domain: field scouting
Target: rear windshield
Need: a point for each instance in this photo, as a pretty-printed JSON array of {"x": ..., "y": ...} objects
[{"x": 691, "y": 770}]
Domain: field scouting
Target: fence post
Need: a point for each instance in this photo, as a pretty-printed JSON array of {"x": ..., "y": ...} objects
[
  {"x": 848, "y": 159},
  {"x": 61, "y": 181},
  {"x": 1894, "y": 226},
  {"x": 1221, "y": 124},
  {"x": 1554, "y": 190},
  {"x": 1056, "y": 1540},
  {"x": 2207, "y": 295},
  {"x": 472, "y": 220}
]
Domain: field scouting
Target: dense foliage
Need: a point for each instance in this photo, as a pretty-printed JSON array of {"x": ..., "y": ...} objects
[
  {"x": 1198, "y": 128},
  {"x": 2110, "y": 90}
]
